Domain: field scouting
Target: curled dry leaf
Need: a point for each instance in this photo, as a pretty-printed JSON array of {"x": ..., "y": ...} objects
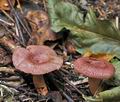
[
  {"x": 4, "y": 4},
  {"x": 88, "y": 33},
  {"x": 70, "y": 47},
  {"x": 38, "y": 19},
  {"x": 40, "y": 26},
  {"x": 103, "y": 56}
]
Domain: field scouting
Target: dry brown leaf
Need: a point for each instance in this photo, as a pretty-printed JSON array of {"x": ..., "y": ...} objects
[
  {"x": 41, "y": 27},
  {"x": 4, "y": 4},
  {"x": 47, "y": 35},
  {"x": 104, "y": 56},
  {"x": 70, "y": 47},
  {"x": 41, "y": 38},
  {"x": 38, "y": 19}
]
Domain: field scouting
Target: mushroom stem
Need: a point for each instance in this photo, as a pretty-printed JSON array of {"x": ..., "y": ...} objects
[
  {"x": 94, "y": 85},
  {"x": 40, "y": 84}
]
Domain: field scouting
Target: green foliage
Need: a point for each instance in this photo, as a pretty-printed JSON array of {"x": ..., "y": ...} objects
[
  {"x": 91, "y": 33},
  {"x": 115, "y": 81},
  {"x": 112, "y": 95}
]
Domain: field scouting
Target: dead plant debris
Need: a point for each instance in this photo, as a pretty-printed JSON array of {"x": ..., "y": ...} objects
[{"x": 25, "y": 23}]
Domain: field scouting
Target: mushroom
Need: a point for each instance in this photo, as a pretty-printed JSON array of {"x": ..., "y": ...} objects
[
  {"x": 36, "y": 60},
  {"x": 95, "y": 69}
]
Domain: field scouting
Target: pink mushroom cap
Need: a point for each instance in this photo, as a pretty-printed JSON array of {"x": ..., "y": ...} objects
[
  {"x": 36, "y": 59},
  {"x": 94, "y": 68}
]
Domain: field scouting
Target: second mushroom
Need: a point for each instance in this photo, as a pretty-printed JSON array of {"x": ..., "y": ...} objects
[{"x": 95, "y": 69}]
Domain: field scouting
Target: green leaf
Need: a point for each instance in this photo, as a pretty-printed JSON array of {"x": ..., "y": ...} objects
[
  {"x": 115, "y": 81},
  {"x": 91, "y": 33},
  {"x": 112, "y": 95}
]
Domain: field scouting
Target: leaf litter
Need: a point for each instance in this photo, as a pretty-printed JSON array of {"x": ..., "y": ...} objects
[{"x": 70, "y": 27}]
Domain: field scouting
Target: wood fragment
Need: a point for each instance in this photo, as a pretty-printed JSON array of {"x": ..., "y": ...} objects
[{"x": 7, "y": 70}]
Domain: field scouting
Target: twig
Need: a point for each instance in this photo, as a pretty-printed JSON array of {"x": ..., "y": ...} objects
[
  {"x": 18, "y": 29},
  {"x": 13, "y": 78},
  {"x": 73, "y": 86},
  {"x": 7, "y": 70},
  {"x": 66, "y": 96},
  {"x": 8, "y": 15},
  {"x": 6, "y": 27},
  {"x": 3, "y": 21},
  {"x": 19, "y": 6},
  {"x": 62, "y": 92},
  {"x": 8, "y": 85},
  {"x": 17, "y": 16},
  {"x": 44, "y": 2},
  {"x": 117, "y": 22}
]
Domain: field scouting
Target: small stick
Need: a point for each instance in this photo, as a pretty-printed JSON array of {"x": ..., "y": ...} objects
[
  {"x": 73, "y": 86},
  {"x": 7, "y": 70},
  {"x": 69, "y": 99},
  {"x": 117, "y": 22},
  {"x": 17, "y": 16},
  {"x": 19, "y": 6},
  {"x": 66, "y": 96},
  {"x": 3, "y": 21},
  {"x": 19, "y": 30},
  {"x": 6, "y": 84},
  {"x": 44, "y": 2},
  {"x": 6, "y": 28},
  {"x": 13, "y": 78},
  {"x": 1, "y": 92},
  {"x": 7, "y": 15}
]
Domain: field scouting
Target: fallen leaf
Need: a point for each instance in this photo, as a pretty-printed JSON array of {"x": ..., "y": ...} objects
[
  {"x": 46, "y": 35},
  {"x": 4, "y": 4},
  {"x": 112, "y": 95},
  {"x": 87, "y": 33},
  {"x": 104, "y": 56},
  {"x": 41, "y": 27},
  {"x": 38, "y": 19},
  {"x": 70, "y": 47},
  {"x": 115, "y": 81}
]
